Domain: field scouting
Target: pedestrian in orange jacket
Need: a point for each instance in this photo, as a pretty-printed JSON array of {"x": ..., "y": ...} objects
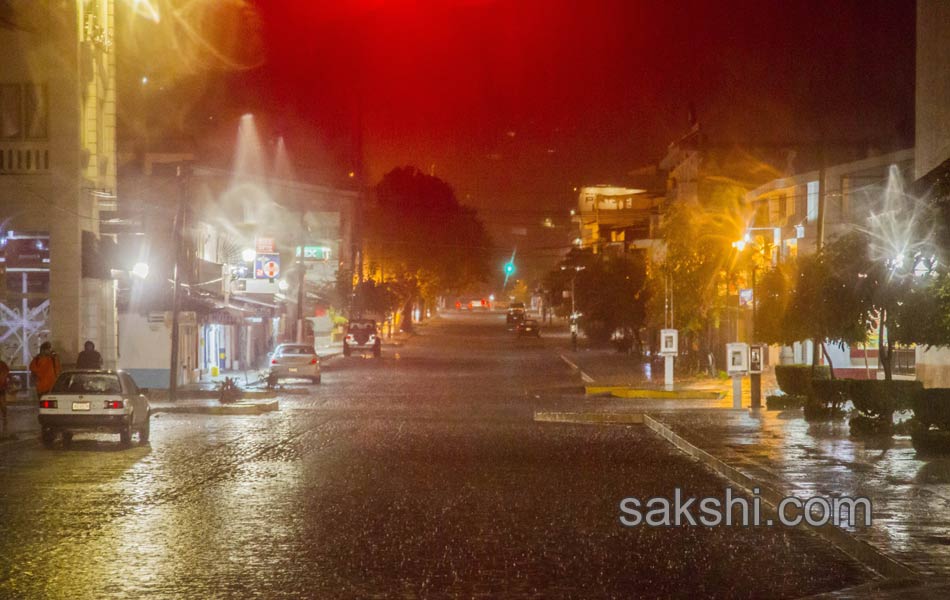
[{"x": 45, "y": 368}]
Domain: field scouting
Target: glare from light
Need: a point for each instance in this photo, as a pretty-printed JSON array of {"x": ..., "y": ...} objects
[
  {"x": 248, "y": 255},
  {"x": 140, "y": 270},
  {"x": 283, "y": 285},
  {"x": 491, "y": 297},
  {"x": 145, "y": 8}
]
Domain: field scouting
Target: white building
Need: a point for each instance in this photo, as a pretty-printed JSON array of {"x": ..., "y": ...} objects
[{"x": 57, "y": 177}]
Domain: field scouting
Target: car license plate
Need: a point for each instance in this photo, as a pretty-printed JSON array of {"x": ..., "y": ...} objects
[
  {"x": 292, "y": 369},
  {"x": 81, "y": 405}
]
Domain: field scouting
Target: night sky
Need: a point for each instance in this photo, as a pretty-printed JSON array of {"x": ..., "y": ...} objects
[{"x": 516, "y": 102}]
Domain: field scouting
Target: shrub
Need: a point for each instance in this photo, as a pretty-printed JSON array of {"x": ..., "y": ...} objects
[
  {"x": 827, "y": 399},
  {"x": 862, "y": 425},
  {"x": 784, "y": 402},
  {"x": 879, "y": 399},
  {"x": 795, "y": 380},
  {"x": 932, "y": 409}
]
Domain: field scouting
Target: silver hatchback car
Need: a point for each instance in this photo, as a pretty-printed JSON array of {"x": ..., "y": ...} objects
[
  {"x": 295, "y": 361},
  {"x": 94, "y": 400}
]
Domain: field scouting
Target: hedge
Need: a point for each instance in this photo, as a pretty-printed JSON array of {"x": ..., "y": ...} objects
[
  {"x": 827, "y": 399},
  {"x": 795, "y": 380},
  {"x": 930, "y": 427},
  {"x": 784, "y": 402}
]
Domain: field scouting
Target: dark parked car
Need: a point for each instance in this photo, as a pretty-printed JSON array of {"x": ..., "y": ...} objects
[
  {"x": 362, "y": 334},
  {"x": 516, "y": 313}
]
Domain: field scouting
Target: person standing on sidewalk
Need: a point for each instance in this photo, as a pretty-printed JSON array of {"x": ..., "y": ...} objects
[
  {"x": 45, "y": 368},
  {"x": 89, "y": 358}
]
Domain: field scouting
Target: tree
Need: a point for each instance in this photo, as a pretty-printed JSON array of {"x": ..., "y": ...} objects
[
  {"x": 611, "y": 293},
  {"x": 421, "y": 240}
]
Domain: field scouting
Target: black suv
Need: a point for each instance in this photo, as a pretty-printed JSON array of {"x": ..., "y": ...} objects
[
  {"x": 515, "y": 313},
  {"x": 362, "y": 334}
]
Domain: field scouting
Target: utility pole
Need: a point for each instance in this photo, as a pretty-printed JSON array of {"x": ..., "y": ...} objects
[
  {"x": 301, "y": 275},
  {"x": 178, "y": 240},
  {"x": 819, "y": 239}
]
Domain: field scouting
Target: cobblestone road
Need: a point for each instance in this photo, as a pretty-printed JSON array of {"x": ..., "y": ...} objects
[{"x": 418, "y": 475}]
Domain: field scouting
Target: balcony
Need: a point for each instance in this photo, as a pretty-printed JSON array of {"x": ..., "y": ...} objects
[{"x": 24, "y": 158}]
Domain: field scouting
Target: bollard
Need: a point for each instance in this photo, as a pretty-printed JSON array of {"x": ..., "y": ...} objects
[{"x": 736, "y": 391}]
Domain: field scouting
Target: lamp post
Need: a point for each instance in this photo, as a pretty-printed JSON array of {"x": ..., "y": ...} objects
[
  {"x": 755, "y": 374},
  {"x": 573, "y": 319}
]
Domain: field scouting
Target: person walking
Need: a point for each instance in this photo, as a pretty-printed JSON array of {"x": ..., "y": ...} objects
[
  {"x": 45, "y": 368},
  {"x": 89, "y": 358}
]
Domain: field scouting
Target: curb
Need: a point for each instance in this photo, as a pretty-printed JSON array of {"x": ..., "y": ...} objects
[
  {"x": 863, "y": 552},
  {"x": 587, "y": 378},
  {"x": 622, "y": 391},
  {"x": 240, "y": 408},
  {"x": 590, "y": 418}
]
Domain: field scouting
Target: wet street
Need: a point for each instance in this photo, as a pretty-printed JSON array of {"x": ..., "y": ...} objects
[{"x": 421, "y": 474}]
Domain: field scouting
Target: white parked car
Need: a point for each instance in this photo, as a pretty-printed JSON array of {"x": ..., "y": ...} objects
[
  {"x": 294, "y": 361},
  {"x": 94, "y": 400}
]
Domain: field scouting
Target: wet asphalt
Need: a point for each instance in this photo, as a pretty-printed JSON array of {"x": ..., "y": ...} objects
[{"x": 421, "y": 474}]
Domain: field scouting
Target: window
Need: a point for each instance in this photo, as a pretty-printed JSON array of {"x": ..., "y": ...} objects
[
  {"x": 11, "y": 112},
  {"x": 24, "y": 111},
  {"x": 87, "y": 383},
  {"x": 811, "y": 208},
  {"x": 36, "y": 111}
]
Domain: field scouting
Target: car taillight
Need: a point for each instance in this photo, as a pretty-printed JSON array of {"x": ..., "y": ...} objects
[
  {"x": 273, "y": 361},
  {"x": 349, "y": 337},
  {"x": 48, "y": 404},
  {"x": 313, "y": 361},
  {"x": 113, "y": 404}
]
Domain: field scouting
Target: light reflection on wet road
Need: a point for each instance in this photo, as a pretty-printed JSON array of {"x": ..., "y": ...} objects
[{"x": 422, "y": 475}]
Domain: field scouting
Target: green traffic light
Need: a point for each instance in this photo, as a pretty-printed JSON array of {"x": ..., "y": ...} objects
[{"x": 509, "y": 268}]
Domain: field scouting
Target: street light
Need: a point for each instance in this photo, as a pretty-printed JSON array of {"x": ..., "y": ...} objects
[
  {"x": 577, "y": 269},
  {"x": 248, "y": 255},
  {"x": 140, "y": 270},
  {"x": 740, "y": 245}
]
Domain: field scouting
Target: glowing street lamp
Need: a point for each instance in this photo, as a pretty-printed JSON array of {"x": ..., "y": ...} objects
[
  {"x": 248, "y": 255},
  {"x": 140, "y": 270}
]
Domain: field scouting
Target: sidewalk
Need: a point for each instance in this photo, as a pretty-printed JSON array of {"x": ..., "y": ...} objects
[
  {"x": 607, "y": 367},
  {"x": 780, "y": 450}
]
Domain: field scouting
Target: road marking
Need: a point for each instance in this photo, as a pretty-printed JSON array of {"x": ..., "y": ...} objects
[{"x": 587, "y": 378}]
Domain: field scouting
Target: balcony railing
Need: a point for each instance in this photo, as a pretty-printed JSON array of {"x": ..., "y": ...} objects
[{"x": 23, "y": 158}]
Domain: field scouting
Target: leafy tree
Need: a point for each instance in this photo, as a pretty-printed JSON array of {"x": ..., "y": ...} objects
[
  {"x": 421, "y": 239},
  {"x": 611, "y": 293}
]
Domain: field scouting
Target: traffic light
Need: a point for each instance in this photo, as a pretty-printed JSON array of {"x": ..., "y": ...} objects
[{"x": 509, "y": 268}]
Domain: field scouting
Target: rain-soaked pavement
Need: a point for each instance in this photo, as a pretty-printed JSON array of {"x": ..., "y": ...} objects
[{"x": 419, "y": 475}]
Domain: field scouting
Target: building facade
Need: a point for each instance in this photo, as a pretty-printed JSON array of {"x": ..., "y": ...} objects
[{"x": 57, "y": 177}]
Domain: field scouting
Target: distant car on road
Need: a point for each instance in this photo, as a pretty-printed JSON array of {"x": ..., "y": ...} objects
[
  {"x": 516, "y": 313},
  {"x": 362, "y": 334},
  {"x": 294, "y": 360},
  {"x": 529, "y": 327},
  {"x": 94, "y": 400},
  {"x": 481, "y": 304}
]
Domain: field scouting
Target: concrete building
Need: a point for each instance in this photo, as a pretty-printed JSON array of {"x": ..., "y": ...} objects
[
  {"x": 785, "y": 224},
  {"x": 239, "y": 265},
  {"x": 932, "y": 158},
  {"x": 57, "y": 176},
  {"x": 617, "y": 219}
]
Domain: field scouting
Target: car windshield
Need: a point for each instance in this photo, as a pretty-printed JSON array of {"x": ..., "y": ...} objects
[
  {"x": 87, "y": 383},
  {"x": 362, "y": 325},
  {"x": 295, "y": 350}
]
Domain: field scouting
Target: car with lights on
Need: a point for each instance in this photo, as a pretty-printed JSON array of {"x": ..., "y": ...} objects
[
  {"x": 361, "y": 335},
  {"x": 516, "y": 313},
  {"x": 94, "y": 401},
  {"x": 529, "y": 327},
  {"x": 294, "y": 361}
]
